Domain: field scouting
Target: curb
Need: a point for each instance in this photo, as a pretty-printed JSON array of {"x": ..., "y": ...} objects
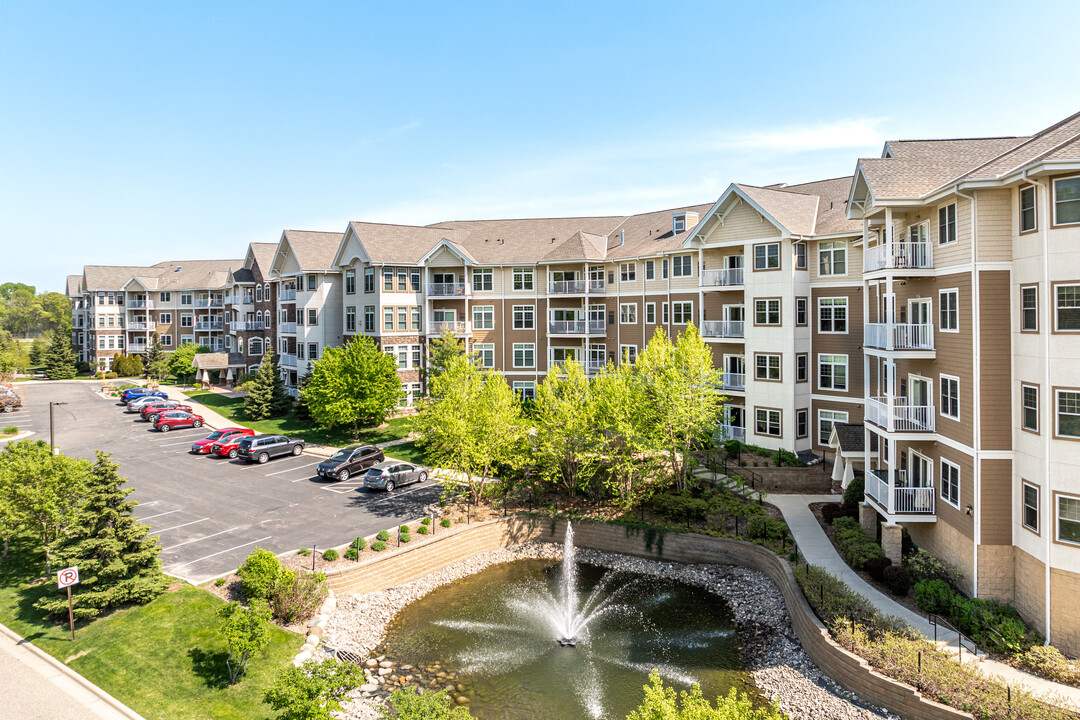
[
  {"x": 105, "y": 698},
  {"x": 17, "y": 436}
]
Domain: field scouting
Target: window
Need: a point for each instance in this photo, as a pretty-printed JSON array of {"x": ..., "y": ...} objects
[
  {"x": 414, "y": 279},
  {"x": 1067, "y": 201},
  {"x": 832, "y": 258},
  {"x": 185, "y": 298},
  {"x": 258, "y": 293},
  {"x": 300, "y": 351},
  {"x": 802, "y": 367},
  {"x": 682, "y": 266},
  {"x": 950, "y": 482},
  {"x": 369, "y": 280},
  {"x": 1027, "y": 209},
  {"x": 650, "y": 313},
  {"x": 627, "y": 313},
  {"x": 825, "y": 420},
  {"x": 682, "y": 312},
  {"x": 523, "y": 279},
  {"x": 947, "y": 224},
  {"x": 832, "y": 372},
  {"x": 414, "y": 318},
  {"x": 526, "y": 389},
  {"x": 266, "y": 292},
  {"x": 388, "y": 279},
  {"x": 312, "y": 282},
  {"x": 801, "y": 423},
  {"x": 483, "y": 317},
  {"x": 767, "y": 367},
  {"x": 112, "y": 321},
  {"x": 666, "y": 311},
  {"x": 1067, "y": 307},
  {"x": 350, "y": 283},
  {"x": 628, "y": 272},
  {"x": 678, "y": 224},
  {"x": 663, "y": 268},
  {"x": 403, "y": 279},
  {"x": 524, "y": 317},
  {"x": 350, "y": 319},
  {"x": 166, "y": 340},
  {"x": 186, "y": 320},
  {"x": 187, "y": 339},
  {"x": 767, "y": 257},
  {"x": 524, "y": 355},
  {"x": 650, "y": 270},
  {"x": 483, "y": 279},
  {"x": 165, "y": 297},
  {"x": 1068, "y": 522},
  {"x": 767, "y": 311},
  {"x": 369, "y": 318},
  {"x": 1068, "y": 413},
  {"x": 832, "y": 315},
  {"x": 415, "y": 353},
  {"x": 402, "y": 318},
  {"x": 1029, "y": 407},
  {"x": 300, "y": 316},
  {"x": 101, "y": 343},
  {"x": 949, "y": 312},
  {"x": 1029, "y": 308},
  {"x": 312, "y": 317},
  {"x": 950, "y": 397},
  {"x": 388, "y": 318},
  {"x": 1031, "y": 506},
  {"x": 767, "y": 422},
  {"x": 800, "y": 311},
  {"x": 485, "y": 354},
  {"x": 628, "y": 353}
]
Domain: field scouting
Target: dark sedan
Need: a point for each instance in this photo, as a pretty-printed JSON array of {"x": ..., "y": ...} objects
[
  {"x": 350, "y": 460},
  {"x": 132, "y": 393},
  {"x": 263, "y": 447},
  {"x": 392, "y": 474}
]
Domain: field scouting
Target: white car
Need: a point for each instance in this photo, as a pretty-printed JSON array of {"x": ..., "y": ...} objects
[{"x": 137, "y": 405}]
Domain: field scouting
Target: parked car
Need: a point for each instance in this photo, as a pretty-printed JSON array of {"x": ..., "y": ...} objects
[
  {"x": 350, "y": 460},
  {"x": 177, "y": 419},
  {"x": 392, "y": 474},
  {"x": 263, "y": 447},
  {"x": 229, "y": 446},
  {"x": 205, "y": 446},
  {"x": 132, "y": 393},
  {"x": 137, "y": 404},
  {"x": 152, "y": 412}
]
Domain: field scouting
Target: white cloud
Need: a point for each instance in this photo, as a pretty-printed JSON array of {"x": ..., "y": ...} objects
[{"x": 848, "y": 133}]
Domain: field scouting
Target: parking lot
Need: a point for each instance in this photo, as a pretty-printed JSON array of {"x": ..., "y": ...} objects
[{"x": 211, "y": 512}]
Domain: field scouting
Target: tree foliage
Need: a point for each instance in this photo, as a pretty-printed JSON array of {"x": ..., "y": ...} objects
[
  {"x": 352, "y": 385},
  {"x": 441, "y": 351},
  {"x": 156, "y": 360},
  {"x": 266, "y": 397},
  {"x": 662, "y": 703},
  {"x": 14, "y": 356},
  {"x": 246, "y": 631},
  {"x": 408, "y": 704},
  {"x": 25, "y": 313},
  {"x": 567, "y": 445},
  {"x": 624, "y": 419},
  {"x": 60, "y": 360},
  {"x": 181, "y": 359},
  {"x": 313, "y": 690},
  {"x": 127, "y": 365}
]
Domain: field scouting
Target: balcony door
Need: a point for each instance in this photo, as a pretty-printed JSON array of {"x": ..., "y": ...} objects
[
  {"x": 565, "y": 275},
  {"x": 919, "y": 311},
  {"x": 736, "y": 417},
  {"x": 735, "y": 365},
  {"x": 444, "y": 278},
  {"x": 597, "y": 314},
  {"x": 920, "y": 391},
  {"x": 916, "y": 253},
  {"x": 734, "y": 262},
  {"x": 919, "y": 471},
  {"x": 597, "y": 356},
  {"x": 444, "y": 316},
  {"x": 565, "y": 315},
  {"x": 734, "y": 313}
]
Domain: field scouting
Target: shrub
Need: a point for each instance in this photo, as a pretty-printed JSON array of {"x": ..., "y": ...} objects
[
  {"x": 246, "y": 631},
  {"x": 837, "y": 604},
  {"x": 876, "y": 567},
  {"x": 897, "y": 579},
  {"x": 1047, "y": 661},
  {"x": 924, "y": 566},
  {"x": 422, "y": 530},
  {"x": 359, "y": 543},
  {"x": 378, "y": 546},
  {"x": 313, "y": 690},
  {"x": 297, "y": 595},
  {"x": 855, "y": 492},
  {"x": 404, "y": 529},
  {"x": 991, "y": 624},
  {"x": 383, "y": 535},
  {"x": 330, "y": 555},
  {"x": 111, "y": 376},
  {"x": 259, "y": 574},
  {"x": 663, "y": 702},
  {"x": 764, "y": 527},
  {"x": 351, "y": 554},
  {"x": 303, "y": 552},
  {"x": 410, "y": 704},
  {"x": 832, "y": 511},
  {"x": 856, "y": 546},
  {"x": 425, "y": 521},
  {"x": 219, "y": 582},
  {"x": 11, "y": 430},
  {"x": 404, "y": 537},
  {"x": 445, "y": 522},
  {"x": 934, "y": 596}
]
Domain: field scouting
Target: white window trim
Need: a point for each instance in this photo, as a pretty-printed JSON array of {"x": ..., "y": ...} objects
[
  {"x": 624, "y": 348},
  {"x": 941, "y": 306},
  {"x": 1055, "y": 288},
  {"x": 513, "y": 321},
  {"x": 687, "y": 317},
  {"x": 1022, "y": 309},
  {"x": 753, "y": 251},
  {"x": 847, "y": 367},
  {"x": 1020, "y": 208},
  {"x": 834, "y": 420},
  {"x": 779, "y": 312},
  {"x": 846, "y": 318},
  {"x": 768, "y": 367},
  {"x": 780, "y": 422},
  {"x": 480, "y": 348},
  {"x": 832, "y": 251},
  {"x": 959, "y": 484},
  {"x": 931, "y": 469},
  {"x": 650, "y": 309},
  {"x": 937, "y": 217},
  {"x": 942, "y": 377},
  {"x": 532, "y": 279},
  {"x": 1038, "y": 405},
  {"x": 1054, "y": 204},
  {"x": 483, "y": 309},
  {"x": 1057, "y": 412},
  {"x": 1038, "y": 506},
  {"x": 524, "y": 347},
  {"x": 632, "y": 321}
]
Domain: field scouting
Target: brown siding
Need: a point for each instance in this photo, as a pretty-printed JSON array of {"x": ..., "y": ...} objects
[
  {"x": 995, "y": 502},
  {"x": 849, "y": 344},
  {"x": 995, "y": 361}
]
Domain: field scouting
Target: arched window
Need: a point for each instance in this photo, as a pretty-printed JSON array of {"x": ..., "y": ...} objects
[
  {"x": 266, "y": 292},
  {"x": 239, "y": 344},
  {"x": 258, "y": 293}
]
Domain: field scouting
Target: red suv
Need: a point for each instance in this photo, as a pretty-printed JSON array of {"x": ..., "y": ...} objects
[
  {"x": 228, "y": 446},
  {"x": 177, "y": 419},
  {"x": 205, "y": 446},
  {"x": 152, "y": 412}
]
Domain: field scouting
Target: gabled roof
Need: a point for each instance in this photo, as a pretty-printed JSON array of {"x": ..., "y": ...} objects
[
  {"x": 651, "y": 233},
  {"x": 262, "y": 254},
  {"x": 313, "y": 250},
  {"x": 242, "y": 276},
  {"x": 385, "y": 243},
  {"x": 1055, "y": 142},
  {"x": 850, "y": 438},
  {"x": 579, "y": 246},
  {"x": 74, "y": 285},
  {"x": 172, "y": 274},
  {"x": 792, "y": 211},
  {"x": 525, "y": 240}
]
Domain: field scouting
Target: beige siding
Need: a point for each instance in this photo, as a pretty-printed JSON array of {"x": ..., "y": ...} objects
[
  {"x": 994, "y": 229},
  {"x": 741, "y": 224}
]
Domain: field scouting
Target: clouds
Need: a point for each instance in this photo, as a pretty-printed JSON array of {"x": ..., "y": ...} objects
[{"x": 834, "y": 135}]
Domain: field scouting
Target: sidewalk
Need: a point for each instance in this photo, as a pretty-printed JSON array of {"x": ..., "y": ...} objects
[{"x": 817, "y": 549}]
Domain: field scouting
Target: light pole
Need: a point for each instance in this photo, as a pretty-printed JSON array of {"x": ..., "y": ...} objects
[{"x": 52, "y": 445}]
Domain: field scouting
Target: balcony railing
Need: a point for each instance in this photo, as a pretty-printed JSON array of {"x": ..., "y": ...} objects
[
  {"x": 723, "y": 328},
  {"x": 594, "y": 366},
  {"x": 574, "y": 327},
  {"x": 891, "y": 336},
  {"x": 458, "y": 327},
  {"x": 897, "y": 497},
  {"x": 141, "y": 326},
  {"x": 899, "y": 416},
  {"x": 731, "y": 432},
  {"x": 133, "y": 347},
  {"x": 567, "y": 287},
  {"x": 898, "y": 256},
  {"x": 287, "y": 327},
  {"x": 246, "y": 325},
  {"x": 137, "y": 304},
  {"x": 209, "y": 302},
  {"x": 287, "y": 294},
  {"x": 239, "y": 299},
  {"x": 597, "y": 286},
  {"x": 209, "y": 326},
  {"x": 724, "y": 277},
  {"x": 447, "y": 289},
  {"x": 287, "y": 360},
  {"x": 733, "y": 381}
]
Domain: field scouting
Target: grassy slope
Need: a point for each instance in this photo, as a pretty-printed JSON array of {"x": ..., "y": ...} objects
[{"x": 164, "y": 660}]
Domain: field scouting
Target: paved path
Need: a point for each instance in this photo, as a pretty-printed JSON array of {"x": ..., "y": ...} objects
[{"x": 817, "y": 549}]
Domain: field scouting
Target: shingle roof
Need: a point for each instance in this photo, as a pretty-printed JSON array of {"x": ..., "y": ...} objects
[
  {"x": 162, "y": 276},
  {"x": 1059, "y": 137},
  {"x": 525, "y": 240},
  {"x": 210, "y": 361},
  {"x": 919, "y": 167},
  {"x": 74, "y": 285},
  {"x": 579, "y": 246},
  {"x": 795, "y": 211},
  {"x": 243, "y": 275},
  {"x": 387, "y": 243},
  {"x": 263, "y": 254},
  {"x": 313, "y": 250},
  {"x": 650, "y": 233},
  {"x": 832, "y": 207},
  {"x": 850, "y": 436}
]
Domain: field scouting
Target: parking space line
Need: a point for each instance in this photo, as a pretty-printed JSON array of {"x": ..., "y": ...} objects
[
  {"x": 176, "y": 527},
  {"x": 144, "y": 519},
  {"x": 205, "y": 537},
  {"x": 174, "y": 567},
  {"x": 342, "y": 487},
  {"x": 399, "y": 494},
  {"x": 300, "y": 467},
  {"x": 182, "y": 442}
]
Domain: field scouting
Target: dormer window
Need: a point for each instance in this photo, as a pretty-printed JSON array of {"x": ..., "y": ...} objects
[
  {"x": 681, "y": 221},
  {"x": 679, "y": 224}
]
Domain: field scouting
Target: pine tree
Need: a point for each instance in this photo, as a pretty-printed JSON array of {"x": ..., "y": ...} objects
[
  {"x": 117, "y": 558},
  {"x": 267, "y": 397},
  {"x": 303, "y": 412},
  {"x": 61, "y": 358},
  {"x": 154, "y": 358}
]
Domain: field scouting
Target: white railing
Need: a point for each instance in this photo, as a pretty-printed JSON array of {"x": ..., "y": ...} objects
[
  {"x": 732, "y": 432},
  {"x": 567, "y": 287},
  {"x": 287, "y": 360},
  {"x": 458, "y": 327},
  {"x": 287, "y": 294},
  {"x": 594, "y": 366},
  {"x": 447, "y": 289},
  {"x": 722, "y": 278},
  {"x": 897, "y": 497},
  {"x": 201, "y": 325},
  {"x": 246, "y": 325},
  {"x": 566, "y": 327},
  {"x": 209, "y": 302},
  {"x": 597, "y": 286},
  {"x": 900, "y": 416},
  {"x": 733, "y": 381},
  {"x": 723, "y": 328},
  {"x": 137, "y": 347},
  {"x": 287, "y": 327},
  {"x": 597, "y": 326},
  {"x": 141, "y": 326},
  {"x": 239, "y": 300},
  {"x": 136, "y": 304},
  {"x": 890, "y": 336},
  {"x": 898, "y": 256}
]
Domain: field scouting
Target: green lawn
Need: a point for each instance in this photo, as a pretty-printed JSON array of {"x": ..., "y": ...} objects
[
  {"x": 407, "y": 452},
  {"x": 233, "y": 409},
  {"x": 164, "y": 660}
]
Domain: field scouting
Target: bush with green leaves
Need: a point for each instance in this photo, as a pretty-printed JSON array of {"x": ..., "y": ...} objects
[
  {"x": 765, "y": 527},
  {"x": 304, "y": 552},
  {"x": 404, "y": 529},
  {"x": 423, "y": 530},
  {"x": 832, "y": 511},
  {"x": 410, "y": 704},
  {"x": 897, "y": 579},
  {"x": 220, "y": 582},
  {"x": 1048, "y": 662},
  {"x": 404, "y": 537},
  {"x": 836, "y": 603},
  {"x": 378, "y": 546},
  {"x": 663, "y": 703},
  {"x": 992, "y": 625},
  {"x": 855, "y": 545},
  {"x": 246, "y": 631},
  {"x": 330, "y": 555},
  {"x": 934, "y": 596},
  {"x": 445, "y": 522},
  {"x": 312, "y": 691},
  {"x": 425, "y": 521},
  {"x": 855, "y": 492},
  {"x": 259, "y": 574},
  {"x": 11, "y": 430},
  {"x": 351, "y": 554},
  {"x": 924, "y": 566},
  {"x": 383, "y": 535},
  {"x": 359, "y": 543},
  {"x": 297, "y": 595},
  {"x": 876, "y": 567}
]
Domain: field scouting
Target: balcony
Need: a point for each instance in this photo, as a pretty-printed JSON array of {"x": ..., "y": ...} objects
[
  {"x": 899, "y": 416},
  {"x": 239, "y": 299},
  {"x": 892, "y": 336},
  {"x": 723, "y": 328},
  {"x": 287, "y": 327},
  {"x": 567, "y": 287},
  {"x": 287, "y": 360},
  {"x": 597, "y": 286},
  {"x": 209, "y": 326},
  {"x": 246, "y": 325},
  {"x": 731, "y": 432},
  {"x": 140, "y": 304},
  {"x": 209, "y": 303},
  {"x": 733, "y": 381},
  {"x": 458, "y": 327},
  {"x": 576, "y": 327},
  {"x": 141, "y": 326},
  {"x": 726, "y": 277},
  {"x": 287, "y": 295},
  {"x": 447, "y": 289},
  {"x": 897, "y": 497},
  {"x": 594, "y": 366},
  {"x": 898, "y": 256},
  {"x": 134, "y": 347}
]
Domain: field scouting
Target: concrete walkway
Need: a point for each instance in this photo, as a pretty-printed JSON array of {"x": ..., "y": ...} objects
[{"x": 817, "y": 549}]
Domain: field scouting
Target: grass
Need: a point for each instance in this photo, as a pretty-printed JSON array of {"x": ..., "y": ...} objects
[
  {"x": 164, "y": 660},
  {"x": 408, "y": 452},
  {"x": 233, "y": 409}
]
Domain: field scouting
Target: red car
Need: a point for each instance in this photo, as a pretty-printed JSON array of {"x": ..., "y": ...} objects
[
  {"x": 152, "y": 412},
  {"x": 205, "y": 446},
  {"x": 228, "y": 446},
  {"x": 177, "y": 419}
]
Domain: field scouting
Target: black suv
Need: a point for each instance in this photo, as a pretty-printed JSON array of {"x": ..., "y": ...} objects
[
  {"x": 263, "y": 447},
  {"x": 350, "y": 460}
]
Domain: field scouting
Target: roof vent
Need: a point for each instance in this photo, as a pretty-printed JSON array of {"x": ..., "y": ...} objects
[{"x": 178, "y": 268}]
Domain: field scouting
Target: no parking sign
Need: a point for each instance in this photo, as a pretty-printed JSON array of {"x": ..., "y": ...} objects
[{"x": 65, "y": 579}]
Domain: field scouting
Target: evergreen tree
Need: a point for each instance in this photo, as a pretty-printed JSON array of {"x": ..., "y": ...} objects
[
  {"x": 61, "y": 358},
  {"x": 38, "y": 349},
  {"x": 303, "y": 412},
  {"x": 154, "y": 360},
  {"x": 117, "y": 558},
  {"x": 267, "y": 397}
]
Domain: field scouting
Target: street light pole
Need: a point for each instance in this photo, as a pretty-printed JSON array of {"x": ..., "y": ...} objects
[{"x": 52, "y": 444}]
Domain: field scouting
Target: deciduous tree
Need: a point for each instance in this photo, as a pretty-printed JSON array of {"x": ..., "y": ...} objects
[
  {"x": 156, "y": 360},
  {"x": 440, "y": 351},
  {"x": 625, "y": 418},
  {"x": 180, "y": 361},
  {"x": 568, "y": 439},
  {"x": 352, "y": 385},
  {"x": 314, "y": 690},
  {"x": 246, "y": 631}
]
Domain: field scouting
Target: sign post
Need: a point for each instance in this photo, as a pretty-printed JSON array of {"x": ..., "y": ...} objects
[{"x": 65, "y": 579}]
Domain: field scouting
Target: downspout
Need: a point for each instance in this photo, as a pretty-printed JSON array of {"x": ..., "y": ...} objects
[{"x": 976, "y": 365}]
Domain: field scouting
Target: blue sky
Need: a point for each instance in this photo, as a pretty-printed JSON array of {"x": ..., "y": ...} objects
[{"x": 141, "y": 132}]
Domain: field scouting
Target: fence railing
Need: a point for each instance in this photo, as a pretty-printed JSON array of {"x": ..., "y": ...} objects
[
  {"x": 898, "y": 256},
  {"x": 287, "y": 294},
  {"x": 733, "y": 381},
  {"x": 566, "y": 327},
  {"x": 447, "y": 289},
  {"x": 895, "y": 336},
  {"x": 898, "y": 416},
  {"x": 288, "y": 327},
  {"x": 287, "y": 360},
  {"x": 723, "y": 328},
  {"x": 894, "y": 494},
  {"x": 458, "y": 327},
  {"x": 722, "y": 278},
  {"x": 567, "y": 287}
]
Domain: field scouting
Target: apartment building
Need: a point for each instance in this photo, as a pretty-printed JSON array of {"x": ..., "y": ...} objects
[{"x": 250, "y": 308}]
